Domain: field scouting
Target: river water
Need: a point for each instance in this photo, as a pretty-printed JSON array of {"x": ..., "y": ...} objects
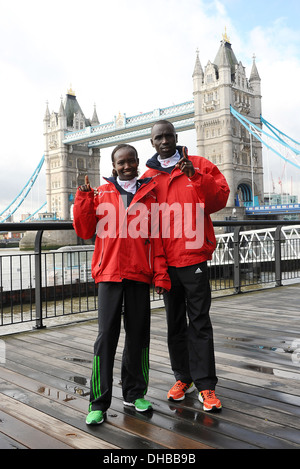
[
  {"x": 63, "y": 266},
  {"x": 59, "y": 269}
]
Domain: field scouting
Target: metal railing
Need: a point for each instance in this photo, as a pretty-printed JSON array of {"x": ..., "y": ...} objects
[
  {"x": 268, "y": 253},
  {"x": 42, "y": 284}
]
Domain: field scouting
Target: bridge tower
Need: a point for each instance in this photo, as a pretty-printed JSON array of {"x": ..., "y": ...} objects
[
  {"x": 66, "y": 165},
  {"x": 220, "y": 137}
]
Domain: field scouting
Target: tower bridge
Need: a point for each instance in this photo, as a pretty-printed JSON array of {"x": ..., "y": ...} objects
[
  {"x": 225, "y": 113},
  {"x": 73, "y": 143},
  {"x": 130, "y": 129}
]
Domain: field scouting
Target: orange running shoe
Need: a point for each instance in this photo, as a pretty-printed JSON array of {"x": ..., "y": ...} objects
[
  {"x": 209, "y": 400},
  {"x": 179, "y": 390}
]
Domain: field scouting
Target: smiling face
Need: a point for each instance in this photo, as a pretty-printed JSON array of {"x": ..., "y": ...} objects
[
  {"x": 126, "y": 163},
  {"x": 164, "y": 139}
]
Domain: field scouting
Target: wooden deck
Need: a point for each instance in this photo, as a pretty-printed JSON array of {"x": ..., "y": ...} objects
[{"x": 44, "y": 385}]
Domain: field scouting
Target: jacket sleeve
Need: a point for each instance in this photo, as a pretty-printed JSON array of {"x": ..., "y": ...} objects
[
  {"x": 211, "y": 186},
  {"x": 160, "y": 267},
  {"x": 84, "y": 214},
  {"x": 161, "y": 277}
]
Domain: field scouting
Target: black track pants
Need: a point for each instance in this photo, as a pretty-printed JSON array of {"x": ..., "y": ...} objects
[
  {"x": 135, "y": 359},
  {"x": 190, "y": 342}
]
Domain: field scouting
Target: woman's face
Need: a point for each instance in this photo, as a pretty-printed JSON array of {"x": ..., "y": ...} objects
[{"x": 126, "y": 164}]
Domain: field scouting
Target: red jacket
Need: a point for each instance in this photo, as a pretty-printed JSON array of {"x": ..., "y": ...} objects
[
  {"x": 124, "y": 248},
  {"x": 207, "y": 187}
]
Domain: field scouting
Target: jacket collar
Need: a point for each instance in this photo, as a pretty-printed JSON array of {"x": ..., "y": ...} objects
[
  {"x": 144, "y": 186},
  {"x": 153, "y": 162},
  {"x": 139, "y": 182}
]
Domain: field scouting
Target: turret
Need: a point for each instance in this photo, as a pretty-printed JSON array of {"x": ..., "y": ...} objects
[
  {"x": 255, "y": 83},
  {"x": 220, "y": 136},
  {"x": 66, "y": 165}
]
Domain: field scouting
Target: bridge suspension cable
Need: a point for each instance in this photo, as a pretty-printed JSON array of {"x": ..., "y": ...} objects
[
  {"x": 282, "y": 136},
  {"x": 36, "y": 211},
  {"x": 292, "y": 153},
  {"x": 19, "y": 199}
]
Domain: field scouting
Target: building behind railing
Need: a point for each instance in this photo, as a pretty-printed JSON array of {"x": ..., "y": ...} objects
[{"x": 43, "y": 285}]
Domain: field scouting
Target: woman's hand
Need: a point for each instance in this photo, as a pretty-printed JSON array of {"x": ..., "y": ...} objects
[{"x": 86, "y": 187}]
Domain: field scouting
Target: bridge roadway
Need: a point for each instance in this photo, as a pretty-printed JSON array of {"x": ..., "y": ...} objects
[
  {"x": 130, "y": 129},
  {"x": 44, "y": 385}
]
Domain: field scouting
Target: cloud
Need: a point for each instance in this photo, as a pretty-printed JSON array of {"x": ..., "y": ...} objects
[{"x": 277, "y": 48}]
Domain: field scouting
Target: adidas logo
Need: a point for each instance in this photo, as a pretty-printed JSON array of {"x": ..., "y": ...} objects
[{"x": 198, "y": 271}]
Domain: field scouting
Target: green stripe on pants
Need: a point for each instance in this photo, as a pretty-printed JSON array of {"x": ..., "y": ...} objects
[{"x": 96, "y": 378}]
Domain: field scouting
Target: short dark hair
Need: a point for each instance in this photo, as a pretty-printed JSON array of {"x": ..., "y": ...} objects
[{"x": 163, "y": 122}]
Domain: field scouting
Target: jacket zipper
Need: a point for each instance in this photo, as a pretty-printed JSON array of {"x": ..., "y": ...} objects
[
  {"x": 147, "y": 241},
  {"x": 150, "y": 264},
  {"x": 102, "y": 252}
]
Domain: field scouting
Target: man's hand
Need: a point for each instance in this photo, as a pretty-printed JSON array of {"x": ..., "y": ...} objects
[
  {"x": 86, "y": 187},
  {"x": 186, "y": 166}
]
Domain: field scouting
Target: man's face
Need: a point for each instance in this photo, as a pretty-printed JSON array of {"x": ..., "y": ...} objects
[{"x": 164, "y": 140}]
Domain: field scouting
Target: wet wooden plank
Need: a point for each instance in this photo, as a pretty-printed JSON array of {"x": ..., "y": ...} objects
[
  {"x": 24, "y": 435},
  {"x": 52, "y": 393},
  {"x": 64, "y": 405},
  {"x": 65, "y": 433},
  {"x": 183, "y": 437},
  {"x": 118, "y": 417},
  {"x": 258, "y": 383},
  {"x": 8, "y": 443}
]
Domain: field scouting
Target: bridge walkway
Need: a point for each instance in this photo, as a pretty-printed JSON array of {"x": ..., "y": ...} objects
[{"x": 44, "y": 385}]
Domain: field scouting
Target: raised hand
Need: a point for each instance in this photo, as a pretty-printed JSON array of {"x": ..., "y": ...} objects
[
  {"x": 86, "y": 187},
  {"x": 185, "y": 165}
]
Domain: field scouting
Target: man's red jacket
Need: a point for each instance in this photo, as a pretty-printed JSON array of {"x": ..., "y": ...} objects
[
  {"x": 124, "y": 248},
  {"x": 196, "y": 197}
]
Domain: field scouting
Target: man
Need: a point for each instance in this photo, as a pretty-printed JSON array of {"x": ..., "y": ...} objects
[{"x": 190, "y": 182}]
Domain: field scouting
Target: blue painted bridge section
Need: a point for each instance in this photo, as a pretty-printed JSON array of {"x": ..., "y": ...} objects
[
  {"x": 273, "y": 209},
  {"x": 129, "y": 129}
]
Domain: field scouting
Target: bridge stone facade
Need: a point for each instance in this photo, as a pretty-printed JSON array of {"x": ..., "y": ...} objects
[
  {"x": 66, "y": 165},
  {"x": 73, "y": 142},
  {"x": 220, "y": 137}
]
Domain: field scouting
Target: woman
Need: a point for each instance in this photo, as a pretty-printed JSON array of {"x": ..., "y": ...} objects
[{"x": 126, "y": 261}]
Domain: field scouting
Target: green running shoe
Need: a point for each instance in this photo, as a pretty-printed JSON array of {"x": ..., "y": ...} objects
[
  {"x": 141, "y": 405},
  {"x": 95, "y": 417}
]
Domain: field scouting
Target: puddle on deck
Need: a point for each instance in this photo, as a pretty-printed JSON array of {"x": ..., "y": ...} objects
[
  {"x": 79, "y": 388},
  {"x": 284, "y": 348},
  {"x": 77, "y": 360},
  {"x": 292, "y": 348},
  {"x": 273, "y": 371}
]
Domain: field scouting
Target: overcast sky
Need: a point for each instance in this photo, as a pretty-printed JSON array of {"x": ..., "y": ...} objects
[{"x": 133, "y": 56}]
